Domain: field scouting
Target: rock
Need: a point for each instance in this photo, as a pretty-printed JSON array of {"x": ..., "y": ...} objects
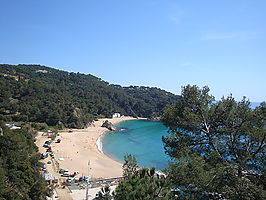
[
  {"x": 108, "y": 125},
  {"x": 80, "y": 119},
  {"x": 77, "y": 113},
  {"x": 1, "y": 132},
  {"x": 155, "y": 119}
]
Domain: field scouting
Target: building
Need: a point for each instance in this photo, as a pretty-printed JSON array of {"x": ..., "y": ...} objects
[
  {"x": 13, "y": 126},
  {"x": 116, "y": 115}
]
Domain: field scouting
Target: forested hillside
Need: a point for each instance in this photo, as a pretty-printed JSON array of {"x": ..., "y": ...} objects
[
  {"x": 34, "y": 93},
  {"x": 19, "y": 166}
]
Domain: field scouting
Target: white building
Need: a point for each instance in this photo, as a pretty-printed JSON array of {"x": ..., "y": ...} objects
[
  {"x": 13, "y": 126},
  {"x": 116, "y": 115}
]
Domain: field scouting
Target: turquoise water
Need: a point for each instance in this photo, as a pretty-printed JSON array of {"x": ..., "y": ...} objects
[{"x": 141, "y": 138}]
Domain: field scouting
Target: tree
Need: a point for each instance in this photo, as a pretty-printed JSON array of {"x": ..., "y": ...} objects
[
  {"x": 19, "y": 167},
  {"x": 144, "y": 185},
  {"x": 104, "y": 194},
  {"x": 141, "y": 184},
  {"x": 218, "y": 148},
  {"x": 130, "y": 165}
]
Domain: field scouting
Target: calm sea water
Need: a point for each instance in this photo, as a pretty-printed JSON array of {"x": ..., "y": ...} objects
[{"x": 141, "y": 138}]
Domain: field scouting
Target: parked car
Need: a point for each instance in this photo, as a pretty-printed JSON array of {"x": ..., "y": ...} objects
[
  {"x": 44, "y": 155},
  {"x": 55, "y": 179},
  {"x": 66, "y": 172},
  {"x": 68, "y": 180},
  {"x": 48, "y": 142},
  {"x": 43, "y": 166},
  {"x": 46, "y": 145}
]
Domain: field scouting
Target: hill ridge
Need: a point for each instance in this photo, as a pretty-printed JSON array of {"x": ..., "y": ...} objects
[{"x": 52, "y": 96}]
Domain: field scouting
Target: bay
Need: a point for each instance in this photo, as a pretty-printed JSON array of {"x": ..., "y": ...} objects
[{"x": 141, "y": 138}]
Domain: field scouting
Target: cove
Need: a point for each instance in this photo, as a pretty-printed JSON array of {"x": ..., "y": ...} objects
[{"x": 141, "y": 138}]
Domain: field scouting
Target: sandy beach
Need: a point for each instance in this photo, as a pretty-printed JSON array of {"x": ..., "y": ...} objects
[{"x": 79, "y": 148}]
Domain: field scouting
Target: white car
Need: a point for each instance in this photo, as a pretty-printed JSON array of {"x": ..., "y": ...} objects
[{"x": 55, "y": 179}]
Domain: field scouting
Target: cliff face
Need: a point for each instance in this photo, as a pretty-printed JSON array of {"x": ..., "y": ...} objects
[{"x": 80, "y": 121}]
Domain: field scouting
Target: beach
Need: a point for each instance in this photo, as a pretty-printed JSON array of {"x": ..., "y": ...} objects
[{"x": 78, "y": 151}]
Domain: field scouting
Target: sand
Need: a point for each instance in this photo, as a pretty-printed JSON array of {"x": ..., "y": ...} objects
[
  {"x": 78, "y": 151},
  {"x": 75, "y": 151}
]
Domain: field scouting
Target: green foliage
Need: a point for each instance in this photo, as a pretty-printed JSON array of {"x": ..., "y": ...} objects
[
  {"x": 151, "y": 100},
  {"x": 104, "y": 194},
  {"x": 130, "y": 165},
  {"x": 40, "y": 126},
  {"x": 71, "y": 99},
  {"x": 218, "y": 147},
  {"x": 144, "y": 185},
  {"x": 19, "y": 171}
]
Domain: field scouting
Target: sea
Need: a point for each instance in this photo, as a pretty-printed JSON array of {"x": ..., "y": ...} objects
[{"x": 141, "y": 138}]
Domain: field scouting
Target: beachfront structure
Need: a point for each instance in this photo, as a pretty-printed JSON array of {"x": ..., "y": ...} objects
[{"x": 116, "y": 115}]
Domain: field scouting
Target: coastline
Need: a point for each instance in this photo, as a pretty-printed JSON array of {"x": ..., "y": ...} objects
[
  {"x": 81, "y": 151},
  {"x": 99, "y": 143}
]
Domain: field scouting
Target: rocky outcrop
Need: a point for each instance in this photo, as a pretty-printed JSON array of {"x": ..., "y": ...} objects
[
  {"x": 82, "y": 125},
  {"x": 155, "y": 119},
  {"x": 77, "y": 113},
  {"x": 80, "y": 120},
  {"x": 108, "y": 125}
]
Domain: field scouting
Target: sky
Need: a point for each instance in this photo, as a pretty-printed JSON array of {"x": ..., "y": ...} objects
[{"x": 160, "y": 43}]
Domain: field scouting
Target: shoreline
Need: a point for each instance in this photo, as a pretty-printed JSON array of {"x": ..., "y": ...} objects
[
  {"x": 99, "y": 143},
  {"x": 82, "y": 151},
  {"x": 99, "y": 140}
]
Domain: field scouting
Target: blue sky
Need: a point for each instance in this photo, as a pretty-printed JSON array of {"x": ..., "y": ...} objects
[{"x": 162, "y": 43}]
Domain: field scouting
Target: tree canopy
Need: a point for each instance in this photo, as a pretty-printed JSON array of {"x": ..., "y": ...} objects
[
  {"x": 217, "y": 147},
  {"x": 34, "y": 93},
  {"x": 130, "y": 165},
  {"x": 144, "y": 185},
  {"x": 19, "y": 167}
]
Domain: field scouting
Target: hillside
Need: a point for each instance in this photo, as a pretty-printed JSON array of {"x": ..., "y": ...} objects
[
  {"x": 34, "y": 93},
  {"x": 19, "y": 166}
]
